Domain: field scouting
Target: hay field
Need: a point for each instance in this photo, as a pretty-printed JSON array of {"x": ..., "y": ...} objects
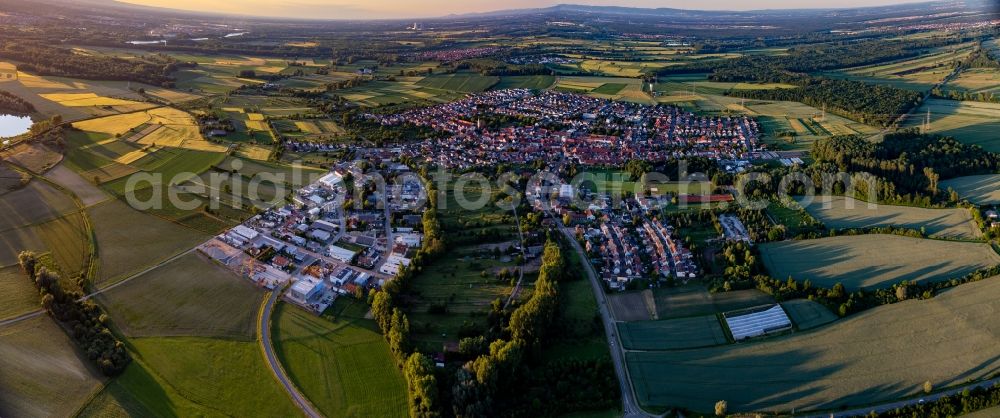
[
  {"x": 846, "y": 212},
  {"x": 190, "y": 296},
  {"x": 17, "y": 294},
  {"x": 128, "y": 240},
  {"x": 344, "y": 367},
  {"x": 176, "y": 128},
  {"x": 672, "y": 334},
  {"x": 969, "y": 122},
  {"x": 42, "y": 373},
  {"x": 981, "y": 190},
  {"x": 878, "y": 355},
  {"x": 874, "y": 261}
]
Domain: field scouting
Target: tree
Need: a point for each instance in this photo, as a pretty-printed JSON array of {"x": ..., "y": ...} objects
[
  {"x": 720, "y": 408},
  {"x": 928, "y": 387},
  {"x": 28, "y": 260},
  {"x": 382, "y": 310},
  {"x": 421, "y": 386}
]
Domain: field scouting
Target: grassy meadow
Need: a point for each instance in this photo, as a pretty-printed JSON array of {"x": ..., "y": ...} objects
[
  {"x": 343, "y": 365},
  {"x": 862, "y": 359},
  {"x": 845, "y": 212},
  {"x": 874, "y": 261}
]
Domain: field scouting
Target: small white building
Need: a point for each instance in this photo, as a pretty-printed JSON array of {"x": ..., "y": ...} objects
[{"x": 341, "y": 254}]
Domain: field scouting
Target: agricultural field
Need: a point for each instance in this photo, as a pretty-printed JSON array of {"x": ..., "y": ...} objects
[
  {"x": 981, "y": 190},
  {"x": 88, "y": 194},
  {"x": 128, "y": 240},
  {"x": 874, "y": 261},
  {"x": 405, "y": 90},
  {"x": 460, "y": 82},
  {"x": 160, "y": 127},
  {"x": 11, "y": 179},
  {"x": 76, "y": 99},
  {"x": 862, "y": 359},
  {"x": 845, "y": 212},
  {"x": 25, "y": 212},
  {"x": 192, "y": 376},
  {"x": 17, "y": 294},
  {"x": 806, "y": 122},
  {"x": 35, "y": 157},
  {"x": 672, "y": 334},
  {"x": 982, "y": 82},
  {"x": 807, "y": 314},
  {"x": 618, "y": 88},
  {"x": 190, "y": 296},
  {"x": 343, "y": 365},
  {"x": 969, "y": 122},
  {"x": 695, "y": 300},
  {"x": 534, "y": 82},
  {"x": 43, "y": 374},
  {"x": 919, "y": 73}
]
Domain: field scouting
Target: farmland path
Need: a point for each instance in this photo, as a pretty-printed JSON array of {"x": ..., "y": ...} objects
[
  {"x": 264, "y": 329},
  {"x": 40, "y": 311},
  {"x": 520, "y": 277}
]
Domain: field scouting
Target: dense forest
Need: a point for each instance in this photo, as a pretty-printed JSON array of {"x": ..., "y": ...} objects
[
  {"x": 46, "y": 60},
  {"x": 12, "y": 104},
  {"x": 914, "y": 162},
  {"x": 873, "y": 104}
]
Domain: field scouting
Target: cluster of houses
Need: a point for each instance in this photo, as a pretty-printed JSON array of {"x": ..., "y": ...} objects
[
  {"x": 582, "y": 129},
  {"x": 310, "y": 246},
  {"x": 631, "y": 245},
  {"x": 456, "y": 54}
]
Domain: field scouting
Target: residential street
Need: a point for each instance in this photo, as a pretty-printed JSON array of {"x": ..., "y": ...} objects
[{"x": 630, "y": 407}]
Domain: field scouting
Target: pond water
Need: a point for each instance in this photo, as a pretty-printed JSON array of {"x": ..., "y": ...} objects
[{"x": 11, "y": 125}]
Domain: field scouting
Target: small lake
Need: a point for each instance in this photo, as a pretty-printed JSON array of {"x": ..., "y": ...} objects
[{"x": 11, "y": 125}]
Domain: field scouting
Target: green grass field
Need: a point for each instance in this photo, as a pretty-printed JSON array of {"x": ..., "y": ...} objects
[
  {"x": 694, "y": 300},
  {"x": 672, "y": 334},
  {"x": 969, "y": 122},
  {"x": 874, "y": 261},
  {"x": 981, "y": 190},
  {"x": 188, "y": 376},
  {"x": 807, "y": 314},
  {"x": 343, "y": 366},
  {"x": 536, "y": 82},
  {"x": 43, "y": 374},
  {"x": 845, "y": 212},
  {"x": 191, "y": 296},
  {"x": 460, "y": 82},
  {"x": 128, "y": 240},
  {"x": 863, "y": 359}
]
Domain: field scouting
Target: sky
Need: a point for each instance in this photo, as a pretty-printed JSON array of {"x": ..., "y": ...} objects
[{"x": 374, "y": 9}]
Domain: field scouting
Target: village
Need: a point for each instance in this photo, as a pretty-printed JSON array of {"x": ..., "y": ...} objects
[{"x": 555, "y": 126}]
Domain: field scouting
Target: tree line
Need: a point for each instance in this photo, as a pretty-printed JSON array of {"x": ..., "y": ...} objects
[
  {"x": 9, "y": 103},
  {"x": 83, "y": 320},
  {"x": 42, "y": 59}
]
